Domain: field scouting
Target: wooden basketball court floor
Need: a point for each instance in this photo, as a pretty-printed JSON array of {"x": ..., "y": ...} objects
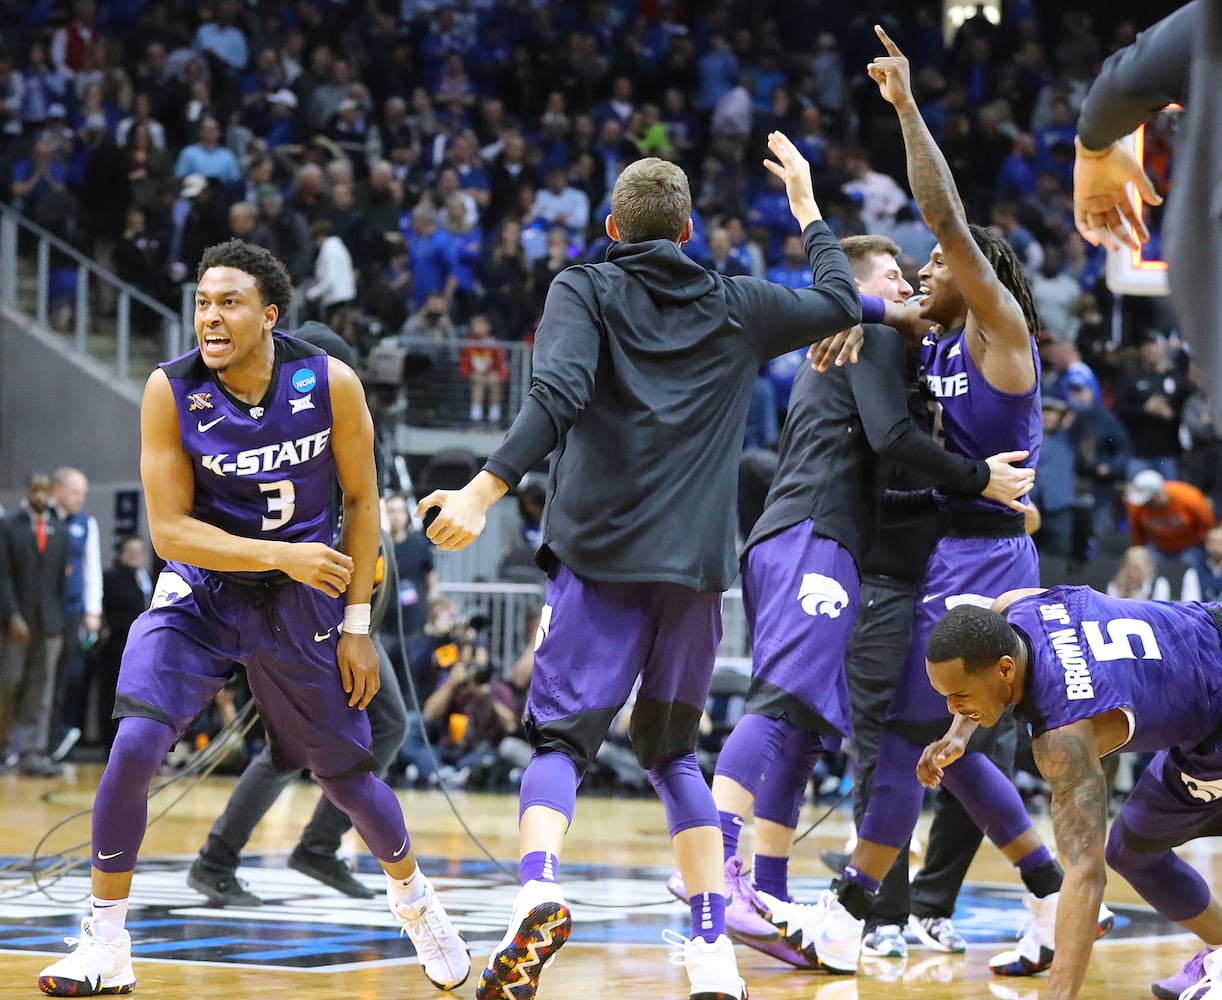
[{"x": 308, "y": 941}]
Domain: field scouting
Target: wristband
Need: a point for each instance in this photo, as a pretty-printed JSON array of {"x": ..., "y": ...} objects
[
  {"x": 873, "y": 309},
  {"x": 356, "y": 619}
]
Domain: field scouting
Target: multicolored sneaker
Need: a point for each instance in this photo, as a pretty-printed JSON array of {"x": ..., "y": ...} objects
[
  {"x": 711, "y": 967},
  {"x": 885, "y": 941},
  {"x": 938, "y": 933},
  {"x": 441, "y": 949},
  {"x": 539, "y": 926},
  {"x": 822, "y": 935},
  {"x": 1034, "y": 951},
  {"x": 94, "y": 967},
  {"x": 1189, "y": 983}
]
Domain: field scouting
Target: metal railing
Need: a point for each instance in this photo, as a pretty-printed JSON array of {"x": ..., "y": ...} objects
[
  {"x": 511, "y": 610},
  {"x": 439, "y": 395},
  {"x": 63, "y": 281}
]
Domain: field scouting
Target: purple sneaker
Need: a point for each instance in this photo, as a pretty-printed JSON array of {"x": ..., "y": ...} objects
[
  {"x": 744, "y": 910},
  {"x": 1191, "y": 975}
]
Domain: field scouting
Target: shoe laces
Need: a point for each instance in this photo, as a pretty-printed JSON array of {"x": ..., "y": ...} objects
[
  {"x": 938, "y": 927},
  {"x": 88, "y": 941},
  {"x": 422, "y": 917},
  {"x": 1208, "y": 973},
  {"x": 678, "y": 944}
]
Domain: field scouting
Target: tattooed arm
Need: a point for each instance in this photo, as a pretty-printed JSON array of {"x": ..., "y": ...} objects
[
  {"x": 997, "y": 333},
  {"x": 1068, "y": 758}
]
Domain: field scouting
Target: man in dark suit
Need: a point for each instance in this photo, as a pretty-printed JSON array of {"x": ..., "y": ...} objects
[
  {"x": 32, "y": 598},
  {"x": 127, "y": 589}
]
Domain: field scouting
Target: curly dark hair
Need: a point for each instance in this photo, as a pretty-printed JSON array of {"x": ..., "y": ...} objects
[
  {"x": 977, "y": 636},
  {"x": 1009, "y": 271},
  {"x": 271, "y": 276}
]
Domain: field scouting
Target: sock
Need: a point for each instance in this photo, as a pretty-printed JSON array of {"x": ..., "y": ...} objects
[
  {"x": 708, "y": 915},
  {"x": 772, "y": 876},
  {"x": 538, "y": 866},
  {"x": 109, "y": 916},
  {"x": 477, "y": 413},
  {"x": 494, "y": 412},
  {"x": 1040, "y": 873},
  {"x": 731, "y": 828},
  {"x": 856, "y": 892},
  {"x": 402, "y": 891},
  {"x": 860, "y": 878}
]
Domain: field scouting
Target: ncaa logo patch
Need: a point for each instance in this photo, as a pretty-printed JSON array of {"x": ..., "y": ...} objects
[
  {"x": 304, "y": 380},
  {"x": 821, "y": 595}
]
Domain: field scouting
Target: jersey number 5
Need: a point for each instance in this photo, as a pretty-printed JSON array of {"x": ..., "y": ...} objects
[
  {"x": 1117, "y": 645},
  {"x": 281, "y": 499}
]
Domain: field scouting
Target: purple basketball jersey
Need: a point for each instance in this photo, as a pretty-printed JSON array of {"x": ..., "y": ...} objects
[
  {"x": 1160, "y": 663},
  {"x": 976, "y": 419},
  {"x": 263, "y": 470}
]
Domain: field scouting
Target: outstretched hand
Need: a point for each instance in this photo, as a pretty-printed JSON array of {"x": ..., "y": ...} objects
[
  {"x": 1103, "y": 210},
  {"x": 839, "y": 349},
  {"x": 793, "y": 169},
  {"x": 891, "y": 72}
]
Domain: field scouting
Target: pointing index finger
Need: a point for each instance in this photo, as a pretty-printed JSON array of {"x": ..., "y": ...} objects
[{"x": 890, "y": 46}]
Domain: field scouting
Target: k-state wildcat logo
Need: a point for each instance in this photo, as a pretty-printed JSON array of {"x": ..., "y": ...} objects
[{"x": 821, "y": 595}]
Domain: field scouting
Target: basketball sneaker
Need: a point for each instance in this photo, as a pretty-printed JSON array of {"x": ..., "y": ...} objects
[
  {"x": 1189, "y": 983},
  {"x": 885, "y": 941},
  {"x": 744, "y": 910},
  {"x": 1034, "y": 951},
  {"x": 826, "y": 935},
  {"x": 937, "y": 933},
  {"x": 711, "y": 967},
  {"x": 538, "y": 927},
  {"x": 442, "y": 952},
  {"x": 94, "y": 967},
  {"x": 792, "y": 924}
]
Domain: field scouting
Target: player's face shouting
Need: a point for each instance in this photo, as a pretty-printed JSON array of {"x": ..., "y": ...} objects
[{"x": 230, "y": 316}]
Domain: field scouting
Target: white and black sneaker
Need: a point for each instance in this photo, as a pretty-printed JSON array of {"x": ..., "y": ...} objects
[
  {"x": 94, "y": 967},
  {"x": 441, "y": 949}
]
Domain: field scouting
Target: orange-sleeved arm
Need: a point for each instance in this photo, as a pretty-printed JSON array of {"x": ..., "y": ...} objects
[{"x": 1137, "y": 525}]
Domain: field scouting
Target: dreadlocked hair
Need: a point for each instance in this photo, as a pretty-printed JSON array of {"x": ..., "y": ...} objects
[{"x": 1009, "y": 271}]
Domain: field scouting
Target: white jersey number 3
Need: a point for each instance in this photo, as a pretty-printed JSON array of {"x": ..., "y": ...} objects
[{"x": 281, "y": 500}]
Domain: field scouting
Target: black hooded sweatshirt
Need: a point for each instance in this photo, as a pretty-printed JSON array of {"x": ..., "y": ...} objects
[{"x": 643, "y": 371}]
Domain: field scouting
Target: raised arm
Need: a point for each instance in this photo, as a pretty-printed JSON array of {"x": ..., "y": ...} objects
[
  {"x": 1068, "y": 758},
  {"x": 996, "y": 325}
]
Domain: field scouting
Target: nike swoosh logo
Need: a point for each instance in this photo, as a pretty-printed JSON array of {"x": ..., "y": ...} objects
[
  {"x": 929, "y": 597},
  {"x": 210, "y": 424},
  {"x": 322, "y": 636},
  {"x": 107, "y": 857},
  {"x": 402, "y": 847}
]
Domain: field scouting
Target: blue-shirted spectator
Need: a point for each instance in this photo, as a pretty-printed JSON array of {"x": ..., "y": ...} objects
[
  {"x": 222, "y": 37},
  {"x": 794, "y": 270},
  {"x": 208, "y": 156},
  {"x": 428, "y": 257}
]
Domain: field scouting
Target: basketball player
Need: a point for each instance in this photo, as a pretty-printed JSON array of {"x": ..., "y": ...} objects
[
  {"x": 644, "y": 367},
  {"x": 241, "y": 444},
  {"x": 984, "y": 375},
  {"x": 800, "y": 585},
  {"x": 1091, "y": 675},
  {"x": 214, "y": 872}
]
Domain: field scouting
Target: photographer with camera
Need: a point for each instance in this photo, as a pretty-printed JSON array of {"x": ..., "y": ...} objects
[{"x": 477, "y": 711}]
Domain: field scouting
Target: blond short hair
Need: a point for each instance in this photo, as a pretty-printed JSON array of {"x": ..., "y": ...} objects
[{"x": 651, "y": 201}]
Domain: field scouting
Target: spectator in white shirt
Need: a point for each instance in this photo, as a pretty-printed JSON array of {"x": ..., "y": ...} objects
[
  {"x": 562, "y": 205},
  {"x": 142, "y": 114},
  {"x": 881, "y": 196},
  {"x": 334, "y": 285}
]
